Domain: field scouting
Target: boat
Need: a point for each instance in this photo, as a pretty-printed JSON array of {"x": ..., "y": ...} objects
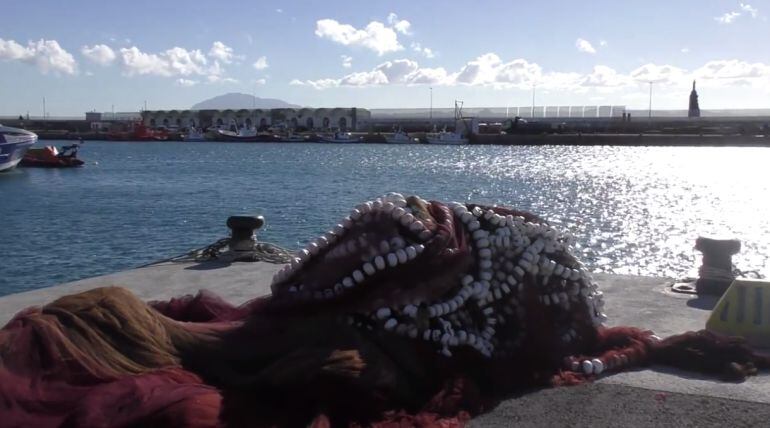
[
  {"x": 139, "y": 132},
  {"x": 291, "y": 137},
  {"x": 455, "y": 137},
  {"x": 340, "y": 137},
  {"x": 400, "y": 137},
  {"x": 50, "y": 157},
  {"x": 447, "y": 138},
  {"x": 242, "y": 137},
  {"x": 193, "y": 134},
  {"x": 14, "y": 143}
]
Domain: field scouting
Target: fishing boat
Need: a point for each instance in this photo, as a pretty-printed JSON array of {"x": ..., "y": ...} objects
[
  {"x": 291, "y": 137},
  {"x": 14, "y": 143},
  {"x": 139, "y": 132},
  {"x": 244, "y": 137},
  {"x": 446, "y": 138},
  {"x": 455, "y": 137},
  {"x": 193, "y": 134},
  {"x": 340, "y": 137},
  {"x": 50, "y": 157},
  {"x": 400, "y": 137}
]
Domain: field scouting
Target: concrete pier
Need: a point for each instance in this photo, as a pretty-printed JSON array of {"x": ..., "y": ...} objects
[{"x": 649, "y": 397}]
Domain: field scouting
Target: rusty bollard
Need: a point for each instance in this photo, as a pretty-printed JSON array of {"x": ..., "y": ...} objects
[{"x": 716, "y": 272}]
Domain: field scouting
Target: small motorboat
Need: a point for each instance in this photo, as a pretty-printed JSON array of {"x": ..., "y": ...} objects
[
  {"x": 14, "y": 143},
  {"x": 50, "y": 157},
  {"x": 193, "y": 134},
  {"x": 291, "y": 137},
  {"x": 341, "y": 137},
  {"x": 447, "y": 138},
  {"x": 400, "y": 137}
]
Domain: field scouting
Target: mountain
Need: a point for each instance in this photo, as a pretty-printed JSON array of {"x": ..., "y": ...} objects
[{"x": 238, "y": 101}]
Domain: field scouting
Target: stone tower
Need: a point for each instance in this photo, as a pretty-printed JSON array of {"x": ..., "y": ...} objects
[{"x": 694, "y": 109}]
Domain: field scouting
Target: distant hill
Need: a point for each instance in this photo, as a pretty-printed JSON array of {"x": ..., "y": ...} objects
[{"x": 238, "y": 101}]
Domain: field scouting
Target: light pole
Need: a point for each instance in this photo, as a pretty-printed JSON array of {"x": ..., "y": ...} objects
[
  {"x": 431, "y": 103},
  {"x": 649, "y": 108},
  {"x": 43, "y": 108},
  {"x": 534, "y": 86}
]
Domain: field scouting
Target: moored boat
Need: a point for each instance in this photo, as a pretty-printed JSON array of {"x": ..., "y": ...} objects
[
  {"x": 400, "y": 137},
  {"x": 50, "y": 157},
  {"x": 446, "y": 138},
  {"x": 243, "y": 137},
  {"x": 193, "y": 134},
  {"x": 14, "y": 143},
  {"x": 340, "y": 137},
  {"x": 291, "y": 137}
]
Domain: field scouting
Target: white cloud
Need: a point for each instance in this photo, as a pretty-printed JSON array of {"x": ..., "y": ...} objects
[
  {"x": 99, "y": 54},
  {"x": 491, "y": 71},
  {"x": 584, "y": 45},
  {"x": 347, "y": 61},
  {"x": 602, "y": 43},
  {"x": 171, "y": 62},
  {"x": 685, "y": 50},
  {"x": 260, "y": 81},
  {"x": 750, "y": 9},
  {"x": 662, "y": 74},
  {"x": 219, "y": 79},
  {"x": 727, "y": 18},
  {"x": 261, "y": 63},
  {"x": 743, "y": 9},
  {"x": 401, "y": 25},
  {"x": 221, "y": 52},
  {"x": 429, "y": 76},
  {"x": 376, "y": 36},
  {"x": 279, "y": 10},
  {"x": 723, "y": 73},
  {"x": 427, "y": 52},
  {"x": 46, "y": 55},
  {"x": 316, "y": 84},
  {"x": 186, "y": 82}
]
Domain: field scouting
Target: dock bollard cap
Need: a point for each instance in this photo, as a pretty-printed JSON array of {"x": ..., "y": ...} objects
[{"x": 717, "y": 245}]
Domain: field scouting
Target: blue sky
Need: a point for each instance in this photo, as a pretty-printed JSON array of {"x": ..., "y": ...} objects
[{"x": 84, "y": 55}]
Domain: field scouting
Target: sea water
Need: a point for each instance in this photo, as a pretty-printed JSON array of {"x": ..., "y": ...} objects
[{"x": 632, "y": 210}]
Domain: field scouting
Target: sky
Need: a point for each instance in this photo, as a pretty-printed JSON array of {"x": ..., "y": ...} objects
[{"x": 86, "y": 55}]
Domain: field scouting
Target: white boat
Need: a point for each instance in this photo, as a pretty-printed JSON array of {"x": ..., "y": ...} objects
[
  {"x": 340, "y": 137},
  {"x": 400, "y": 137},
  {"x": 452, "y": 138},
  {"x": 447, "y": 138},
  {"x": 291, "y": 137},
  {"x": 14, "y": 142},
  {"x": 193, "y": 134}
]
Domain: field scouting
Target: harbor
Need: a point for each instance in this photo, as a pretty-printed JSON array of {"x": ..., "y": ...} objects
[{"x": 541, "y": 125}]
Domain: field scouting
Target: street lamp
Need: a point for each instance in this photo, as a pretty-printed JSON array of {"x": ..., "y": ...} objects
[
  {"x": 649, "y": 108},
  {"x": 534, "y": 86},
  {"x": 431, "y": 103}
]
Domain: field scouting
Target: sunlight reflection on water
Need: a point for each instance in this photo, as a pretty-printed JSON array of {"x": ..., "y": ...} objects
[{"x": 632, "y": 210}]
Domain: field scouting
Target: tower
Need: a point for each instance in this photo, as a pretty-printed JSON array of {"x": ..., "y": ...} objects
[{"x": 694, "y": 109}]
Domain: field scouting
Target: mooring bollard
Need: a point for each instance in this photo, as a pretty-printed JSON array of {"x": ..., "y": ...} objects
[
  {"x": 242, "y": 236},
  {"x": 716, "y": 272}
]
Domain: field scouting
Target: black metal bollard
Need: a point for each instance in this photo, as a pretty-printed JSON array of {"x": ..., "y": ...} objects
[
  {"x": 716, "y": 272},
  {"x": 242, "y": 236}
]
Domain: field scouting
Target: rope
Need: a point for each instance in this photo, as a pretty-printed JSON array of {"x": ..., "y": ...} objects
[
  {"x": 721, "y": 274},
  {"x": 262, "y": 252}
]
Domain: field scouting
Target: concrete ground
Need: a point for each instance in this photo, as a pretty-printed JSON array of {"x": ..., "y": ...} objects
[{"x": 650, "y": 397}]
